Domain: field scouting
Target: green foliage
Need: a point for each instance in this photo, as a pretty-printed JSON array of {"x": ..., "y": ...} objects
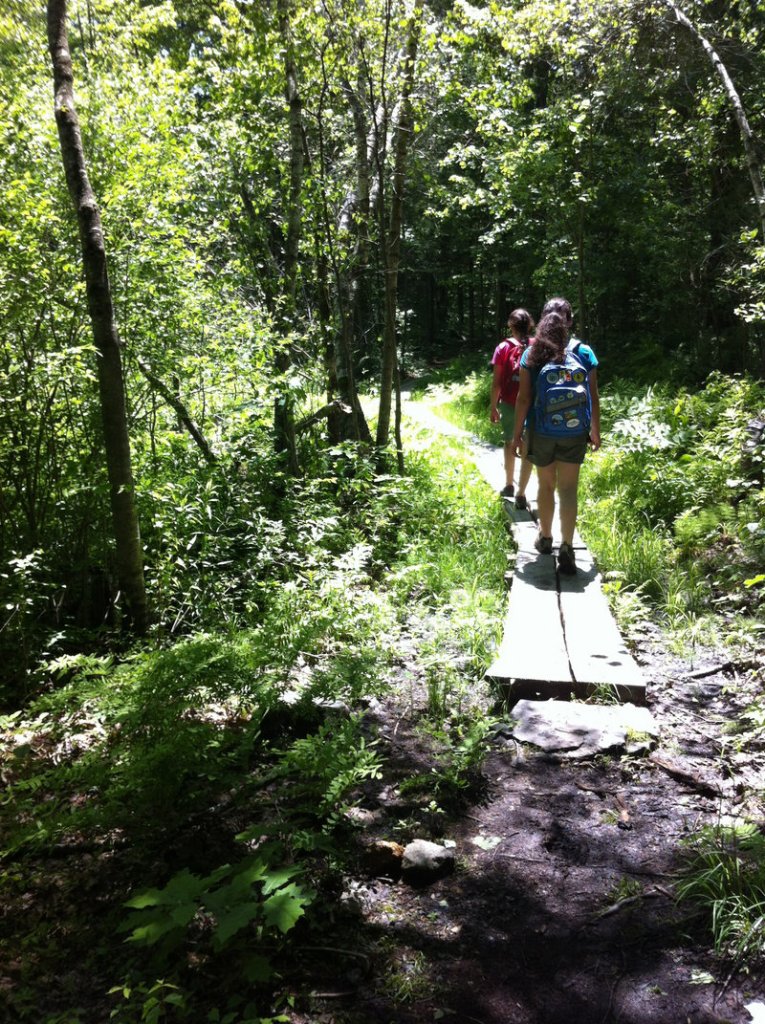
[
  {"x": 724, "y": 877},
  {"x": 465, "y": 402},
  {"x": 262, "y": 584},
  {"x": 252, "y": 894},
  {"x": 323, "y": 769},
  {"x": 151, "y": 1004},
  {"x": 672, "y": 503}
]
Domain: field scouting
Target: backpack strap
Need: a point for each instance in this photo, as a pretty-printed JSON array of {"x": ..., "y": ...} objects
[{"x": 573, "y": 348}]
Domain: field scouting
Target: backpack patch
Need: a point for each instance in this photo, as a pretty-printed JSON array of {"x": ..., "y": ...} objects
[{"x": 562, "y": 405}]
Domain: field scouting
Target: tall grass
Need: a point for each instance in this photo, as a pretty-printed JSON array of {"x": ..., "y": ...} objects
[{"x": 724, "y": 877}]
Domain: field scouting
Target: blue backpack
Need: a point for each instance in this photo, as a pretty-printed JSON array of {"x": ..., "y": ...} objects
[{"x": 562, "y": 404}]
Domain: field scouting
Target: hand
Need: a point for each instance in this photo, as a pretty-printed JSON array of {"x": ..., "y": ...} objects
[
  {"x": 517, "y": 447},
  {"x": 494, "y": 416},
  {"x": 594, "y": 440}
]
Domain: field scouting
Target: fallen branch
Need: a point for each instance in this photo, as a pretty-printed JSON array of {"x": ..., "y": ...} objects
[
  {"x": 321, "y": 414},
  {"x": 628, "y": 900},
  {"x": 686, "y": 777},
  {"x": 704, "y": 672}
]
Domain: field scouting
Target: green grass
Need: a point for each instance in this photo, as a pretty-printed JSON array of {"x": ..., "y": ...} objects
[
  {"x": 724, "y": 878},
  {"x": 465, "y": 403}
]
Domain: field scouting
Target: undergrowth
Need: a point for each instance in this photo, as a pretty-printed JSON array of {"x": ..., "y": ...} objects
[
  {"x": 724, "y": 877},
  {"x": 199, "y": 784}
]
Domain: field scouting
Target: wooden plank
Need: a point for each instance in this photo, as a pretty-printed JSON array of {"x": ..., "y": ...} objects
[
  {"x": 531, "y": 515},
  {"x": 525, "y": 533},
  {"x": 559, "y": 638},
  {"x": 596, "y": 651},
  {"x": 533, "y": 646}
]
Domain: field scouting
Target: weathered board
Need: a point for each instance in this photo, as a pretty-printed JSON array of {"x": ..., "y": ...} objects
[
  {"x": 533, "y": 647},
  {"x": 559, "y": 639},
  {"x": 530, "y": 516},
  {"x": 489, "y": 465},
  {"x": 596, "y": 651}
]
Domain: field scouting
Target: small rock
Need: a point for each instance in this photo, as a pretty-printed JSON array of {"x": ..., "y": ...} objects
[
  {"x": 382, "y": 857},
  {"x": 426, "y": 862},
  {"x": 362, "y": 816}
]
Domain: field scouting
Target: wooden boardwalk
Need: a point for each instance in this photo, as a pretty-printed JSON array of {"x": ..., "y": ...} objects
[{"x": 559, "y": 639}]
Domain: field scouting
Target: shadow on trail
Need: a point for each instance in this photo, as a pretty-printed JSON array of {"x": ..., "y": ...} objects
[{"x": 567, "y": 920}]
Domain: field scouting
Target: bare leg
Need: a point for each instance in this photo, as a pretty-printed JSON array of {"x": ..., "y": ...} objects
[
  {"x": 546, "y": 498},
  {"x": 568, "y": 484},
  {"x": 509, "y": 462},
  {"x": 526, "y": 468}
]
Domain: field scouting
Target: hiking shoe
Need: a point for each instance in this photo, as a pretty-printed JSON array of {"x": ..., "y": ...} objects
[
  {"x": 543, "y": 545},
  {"x": 520, "y": 502},
  {"x": 566, "y": 560},
  {"x": 507, "y": 491}
]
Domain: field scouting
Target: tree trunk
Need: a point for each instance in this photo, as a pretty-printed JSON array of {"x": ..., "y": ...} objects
[
  {"x": 354, "y": 219},
  {"x": 110, "y": 378},
  {"x": 753, "y": 163},
  {"x": 284, "y": 413},
  {"x": 392, "y": 244}
]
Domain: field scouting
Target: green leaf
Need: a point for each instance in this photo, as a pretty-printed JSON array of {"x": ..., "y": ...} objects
[
  {"x": 150, "y": 934},
  {"x": 233, "y": 921},
  {"x": 150, "y": 898},
  {"x": 283, "y": 909},
  {"x": 257, "y": 969},
  {"x": 276, "y": 879}
]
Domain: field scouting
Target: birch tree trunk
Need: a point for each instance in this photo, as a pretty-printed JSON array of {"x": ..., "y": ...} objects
[
  {"x": 111, "y": 384},
  {"x": 284, "y": 415},
  {"x": 354, "y": 219},
  {"x": 403, "y": 132},
  {"x": 753, "y": 163}
]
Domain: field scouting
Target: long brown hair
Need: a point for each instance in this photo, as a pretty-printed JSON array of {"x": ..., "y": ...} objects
[
  {"x": 550, "y": 342},
  {"x": 561, "y": 306}
]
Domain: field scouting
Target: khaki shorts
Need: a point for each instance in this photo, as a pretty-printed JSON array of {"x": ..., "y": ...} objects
[
  {"x": 507, "y": 417},
  {"x": 543, "y": 451}
]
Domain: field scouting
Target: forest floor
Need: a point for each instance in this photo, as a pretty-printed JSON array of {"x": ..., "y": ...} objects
[{"x": 562, "y": 908}]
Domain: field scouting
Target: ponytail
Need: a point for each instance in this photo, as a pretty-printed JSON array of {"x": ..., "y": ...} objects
[{"x": 523, "y": 322}]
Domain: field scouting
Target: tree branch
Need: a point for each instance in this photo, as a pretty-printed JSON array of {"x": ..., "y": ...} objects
[{"x": 183, "y": 414}]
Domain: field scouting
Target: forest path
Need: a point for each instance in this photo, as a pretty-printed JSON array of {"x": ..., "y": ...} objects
[
  {"x": 559, "y": 637},
  {"x": 563, "y": 908}
]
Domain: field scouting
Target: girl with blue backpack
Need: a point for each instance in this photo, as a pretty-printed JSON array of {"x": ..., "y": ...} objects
[{"x": 559, "y": 402}]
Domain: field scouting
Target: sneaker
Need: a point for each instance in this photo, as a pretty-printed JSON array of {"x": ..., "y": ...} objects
[
  {"x": 520, "y": 502},
  {"x": 507, "y": 491},
  {"x": 566, "y": 560},
  {"x": 543, "y": 545}
]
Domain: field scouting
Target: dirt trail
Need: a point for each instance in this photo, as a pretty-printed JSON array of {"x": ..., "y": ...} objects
[{"x": 562, "y": 909}]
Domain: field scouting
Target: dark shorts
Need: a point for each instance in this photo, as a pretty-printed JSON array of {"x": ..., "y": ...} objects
[
  {"x": 507, "y": 418},
  {"x": 543, "y": 451}
]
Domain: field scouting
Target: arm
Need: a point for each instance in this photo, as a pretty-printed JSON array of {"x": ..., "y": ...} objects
[
  {"x": 595, "y": 399},
  {"x": 495, "y": 384},
  {"x": 522, "y": 406}
]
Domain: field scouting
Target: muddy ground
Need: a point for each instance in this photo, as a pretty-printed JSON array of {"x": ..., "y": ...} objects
[{"x": 562, "y": 907}]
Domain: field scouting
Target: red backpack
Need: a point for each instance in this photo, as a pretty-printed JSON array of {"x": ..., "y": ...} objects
[{"x": 511, "y": 376}]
